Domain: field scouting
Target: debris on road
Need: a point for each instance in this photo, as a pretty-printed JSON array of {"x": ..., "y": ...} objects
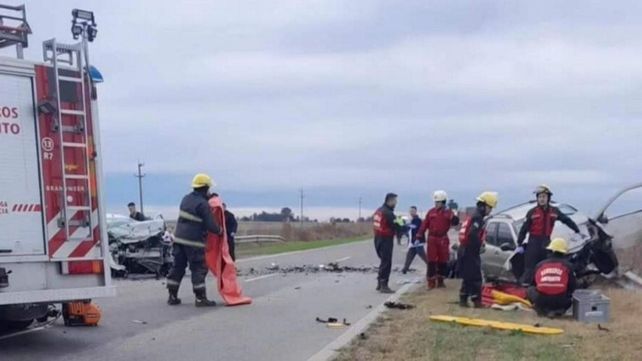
[
  {"x": 333, "y": 322},
  {"x": 399, "y": 305},
  {"x": 139, "y": 322},
  {"x": 332, "y": 267}
]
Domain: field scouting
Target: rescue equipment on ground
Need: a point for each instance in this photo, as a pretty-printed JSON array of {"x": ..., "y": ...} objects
[
  {"x": 82, "y": 313},
  {"x": 497, "y": 325}
]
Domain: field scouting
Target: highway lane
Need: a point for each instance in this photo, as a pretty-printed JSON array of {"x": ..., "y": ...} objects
[{"x": 279, "y": 325}]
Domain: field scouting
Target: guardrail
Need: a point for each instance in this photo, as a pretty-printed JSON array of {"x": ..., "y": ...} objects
[{"x": 259, "y": 238}]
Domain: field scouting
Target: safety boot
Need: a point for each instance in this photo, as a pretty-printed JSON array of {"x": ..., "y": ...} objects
[
  {"x": 477, "y": 303},
  {"x": 202, "y": 301},
  {"x": 440, "y": 283},
  {"x": 431, "y": 283},
  {"x": 378, "y": 285},
  {"x": 463, "y": 301},
  {"x": 385, "y": 289},
  {"x": 173, "y": 299}
]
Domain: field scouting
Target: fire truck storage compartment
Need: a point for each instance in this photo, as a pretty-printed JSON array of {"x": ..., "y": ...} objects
[{"x": 21, "y": 210}]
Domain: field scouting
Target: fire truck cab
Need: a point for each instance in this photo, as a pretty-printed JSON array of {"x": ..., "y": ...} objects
[{"x": 53, "y": 240}]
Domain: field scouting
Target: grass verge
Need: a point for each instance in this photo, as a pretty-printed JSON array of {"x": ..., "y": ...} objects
[
  {"x": 257, "y": 249},
  {"x": 409, "y": 335}
]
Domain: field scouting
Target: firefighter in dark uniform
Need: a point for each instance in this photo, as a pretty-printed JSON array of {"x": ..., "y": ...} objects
[
  {"x": 554, "y": 283},
  {"x": 437, "y": 223},
  {"x": 539, "y": 225},
  {"x": 471, "y": 239},
  {"x": 416, "y": 246},
  {"x": 385, "y": 229},
  {"x": 195, "y": 219}
]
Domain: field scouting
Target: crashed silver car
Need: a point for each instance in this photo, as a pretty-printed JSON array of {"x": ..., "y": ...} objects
[
  {"x": 138, "y": 247},
  {"x": 614, "y": 245}
]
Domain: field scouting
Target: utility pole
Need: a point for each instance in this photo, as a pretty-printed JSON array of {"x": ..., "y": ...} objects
[
  {"x": 140, "y": 177},
  {"x": 301, "y": 196},
  {"x": 358, "y": 219}
]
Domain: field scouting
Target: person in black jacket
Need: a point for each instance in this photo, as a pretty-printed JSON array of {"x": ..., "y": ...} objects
[
  {"x": 385, "y": 229},
  {"x": 231, "y": 226},
  {"x": 539, "y": 225},
  {"x": 416, "y": 246},
  {"x": 554, "y": 283},
  {"x": 134, "y": 214},
  {"x": 195, "y": 219}
]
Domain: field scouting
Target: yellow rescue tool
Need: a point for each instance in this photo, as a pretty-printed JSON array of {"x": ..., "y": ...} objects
[{"x": 505, "y": 326}]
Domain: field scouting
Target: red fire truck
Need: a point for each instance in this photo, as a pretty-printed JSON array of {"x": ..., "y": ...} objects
[{"x": 53, "y": 241}]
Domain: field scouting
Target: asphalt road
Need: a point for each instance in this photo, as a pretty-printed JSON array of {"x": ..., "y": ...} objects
[{"x": 279, "y": 325}]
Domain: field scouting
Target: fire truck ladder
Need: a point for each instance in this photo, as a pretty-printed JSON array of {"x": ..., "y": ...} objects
[
  {"x": 71, "y": 55},
  {"x": 14, "y": 30}
]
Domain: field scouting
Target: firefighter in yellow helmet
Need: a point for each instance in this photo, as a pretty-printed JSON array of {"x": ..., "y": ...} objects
[
  {"x": 554, "y": 282},
  {"x": 194, "y": 221},
  {"x": 471, "y": 238}
]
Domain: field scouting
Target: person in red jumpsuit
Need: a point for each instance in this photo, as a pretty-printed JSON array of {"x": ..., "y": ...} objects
[{"x": 437, "y": 223}]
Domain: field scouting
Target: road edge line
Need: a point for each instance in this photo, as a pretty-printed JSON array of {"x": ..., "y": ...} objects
[
  {"x": 330, "y": 351},
  {"x": 268, "y": 256}
]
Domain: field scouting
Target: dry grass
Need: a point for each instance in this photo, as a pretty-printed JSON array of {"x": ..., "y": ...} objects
[{"x": 409, "y": 335}]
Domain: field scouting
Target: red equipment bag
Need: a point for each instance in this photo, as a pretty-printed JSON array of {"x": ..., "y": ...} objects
[
  {"x": 510, "y": 288},
  {"x": 219, "y": 261}
]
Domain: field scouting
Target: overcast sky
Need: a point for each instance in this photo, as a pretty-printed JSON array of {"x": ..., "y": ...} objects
[{"x": 357, "y": 98}]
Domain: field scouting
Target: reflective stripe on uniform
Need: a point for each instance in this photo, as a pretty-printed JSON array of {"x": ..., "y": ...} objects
[
  {"x": 199, "y": 286},
  {"x": 171, "y": 282},
  {"x": 187, "y": 242},
  {"x": 189, "y": 217}
]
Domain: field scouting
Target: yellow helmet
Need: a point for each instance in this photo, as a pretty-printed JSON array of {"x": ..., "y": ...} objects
[
  {"x": 488, "y": 198},
  {"x": 202, "y": 180},
  {"x": 558, "y": 245}
]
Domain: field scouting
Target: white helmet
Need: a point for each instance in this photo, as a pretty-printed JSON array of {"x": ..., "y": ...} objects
[{"x": 440, "y": 196}]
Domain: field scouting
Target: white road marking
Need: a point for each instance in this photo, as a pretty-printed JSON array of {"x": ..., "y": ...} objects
[
  {"x": 261, "y": 277},
  {"x": 342, "y": 259}
]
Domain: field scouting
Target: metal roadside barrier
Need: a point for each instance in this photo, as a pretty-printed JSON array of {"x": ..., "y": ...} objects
[{"x": 259, "y": 238}]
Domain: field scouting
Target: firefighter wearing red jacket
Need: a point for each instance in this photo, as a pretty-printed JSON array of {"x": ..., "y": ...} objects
[
  {"x": 554, "y": 283},
  {"x": 539, "y": 225},
  {"x": 471, "y": 238},
  {"x": 385, "y": 230},
  {"x": 437, "y": 222}
]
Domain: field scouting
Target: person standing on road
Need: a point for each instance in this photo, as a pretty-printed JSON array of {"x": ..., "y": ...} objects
[
  {"x": 552, "y": 288},
  {"x": 195, "y": 219},
  {"x": 471, "y": 238},
  {"x": 438, "y": 222},
  {"x": 385, "y": 229},
  {"x": 231, "y": 226},
  {"x": 415, "y": 246},
  {"x": 539, "y": 224},
  {"x": 134, "y": 214}
]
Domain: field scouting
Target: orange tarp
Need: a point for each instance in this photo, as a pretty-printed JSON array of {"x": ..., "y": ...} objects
[{"x": 220, "y": 262}]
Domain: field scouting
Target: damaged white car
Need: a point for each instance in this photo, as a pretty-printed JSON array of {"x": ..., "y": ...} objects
[{"x": 139, "y": 247}]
